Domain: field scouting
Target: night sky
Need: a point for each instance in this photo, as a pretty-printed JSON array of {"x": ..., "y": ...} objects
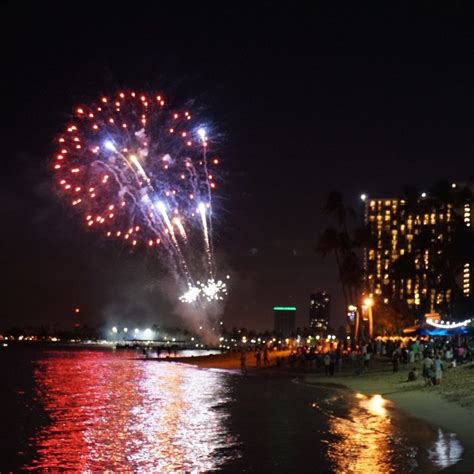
[{"x": 304, "y": 99}]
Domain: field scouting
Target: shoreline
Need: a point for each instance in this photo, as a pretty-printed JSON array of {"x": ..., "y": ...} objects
[
  {"x": 226, "y": 361},
  {"x": 449, "y": 406},
  {"x": 413, "y": 401}
]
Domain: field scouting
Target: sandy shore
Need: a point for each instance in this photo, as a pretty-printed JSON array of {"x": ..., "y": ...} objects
[
  {"x": 229, "y": 361},
  {"x": 449, "y": 406}
]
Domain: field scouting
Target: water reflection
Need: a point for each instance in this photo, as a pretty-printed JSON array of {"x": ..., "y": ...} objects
[
  {"x": 375, "y": 405},
  {"x": 446, "y": 451},
  {"x": 366, "y": 440},
  {"x": 108, "y": 412}
]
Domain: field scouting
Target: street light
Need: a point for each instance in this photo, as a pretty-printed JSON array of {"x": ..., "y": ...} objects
[{"x": 368, "y": 303}]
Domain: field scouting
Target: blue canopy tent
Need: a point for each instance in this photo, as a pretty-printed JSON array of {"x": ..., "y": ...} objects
[{"x": 458, "y": 331}]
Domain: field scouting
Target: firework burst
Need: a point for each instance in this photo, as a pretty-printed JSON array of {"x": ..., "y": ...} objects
[{"x": 139, "y": 172}]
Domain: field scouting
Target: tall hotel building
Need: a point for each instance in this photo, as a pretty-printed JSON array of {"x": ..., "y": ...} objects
[
  {"x": 408, "y": 240},
  {"x": 319, "y": 311}
]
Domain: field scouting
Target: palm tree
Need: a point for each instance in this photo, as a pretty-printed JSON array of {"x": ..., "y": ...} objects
[
  {"x": 352, "y": 275},
  {"x": 340, "y": 242},
  {"x": 336, "y": 207},
  {"x": 330, "y": 242}
]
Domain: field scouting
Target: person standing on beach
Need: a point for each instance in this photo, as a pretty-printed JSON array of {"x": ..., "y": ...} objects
[
  {"x": 367, "y": 359},
  {"x": 378, "y": 348},
  {"x": 438, "y": 367},
  {"x": 332, "y": 362},
  {"x": 243, "y": 361},
  {"x": 353, "y": 356},
  {"x": 258, "y": 357},
  {"x": 396, "y": 359},
  {"x": 327, "y": 362},
  {"x": 339, "y": 358},
  {"x": 266, "y": 360},
  {"x": 421, "y": 350},
  {"x": 427, "y": 364}
]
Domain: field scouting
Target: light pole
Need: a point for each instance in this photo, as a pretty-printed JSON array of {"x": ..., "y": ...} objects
[
  {"x": 368, "y": 303},
  {"x": 353, "y": 316}
]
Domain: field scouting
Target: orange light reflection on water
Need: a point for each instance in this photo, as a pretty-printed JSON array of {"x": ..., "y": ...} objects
[
  {"x": 110, "y": 413},
  {"x": 364, "y": 437}
]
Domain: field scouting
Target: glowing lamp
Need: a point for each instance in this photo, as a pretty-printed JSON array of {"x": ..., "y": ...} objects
[{"x": 368, "y": 302}]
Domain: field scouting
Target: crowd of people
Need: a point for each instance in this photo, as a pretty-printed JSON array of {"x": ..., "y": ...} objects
[{"x": 434, "y": 355}]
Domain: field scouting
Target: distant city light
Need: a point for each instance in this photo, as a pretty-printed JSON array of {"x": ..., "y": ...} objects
[
  {"x": 453, "y": 185},
  {"x": 423, "y": 195},
  {"x": 125, "y": 329},
  {"x": 136, "y": 331},
  {"x": 363, "y": 197},
  {"x": 114, "y": 330},
  {"x": 284, "y": 308},
  {"x": 148, "y": 332}
]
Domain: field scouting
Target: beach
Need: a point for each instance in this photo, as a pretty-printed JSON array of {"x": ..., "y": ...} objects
[{"x": 449, "y": 405}]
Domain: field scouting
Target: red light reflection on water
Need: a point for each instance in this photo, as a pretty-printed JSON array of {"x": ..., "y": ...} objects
[{"x": 108, "y": 412}]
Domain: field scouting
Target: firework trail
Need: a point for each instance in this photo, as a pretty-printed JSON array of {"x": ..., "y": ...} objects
[{"x": 139, "y": 172}]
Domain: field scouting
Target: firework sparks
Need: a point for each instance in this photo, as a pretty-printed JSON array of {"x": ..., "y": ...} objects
[
  {"x": 210, "y": 291},
  {"x": 139, "y": 172}
]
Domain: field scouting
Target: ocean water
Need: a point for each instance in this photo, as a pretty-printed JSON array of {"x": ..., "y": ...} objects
[{"x": 87, "y": 409}]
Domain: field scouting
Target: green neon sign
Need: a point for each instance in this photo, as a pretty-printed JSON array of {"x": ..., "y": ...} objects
[{"x": 284, "y": 308}]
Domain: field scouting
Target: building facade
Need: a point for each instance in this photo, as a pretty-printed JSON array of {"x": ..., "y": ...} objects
[
  {"x": 406, "y": 260},
  {"x": 319, "y": 311},
  {"x": 284, "y": 319}
]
